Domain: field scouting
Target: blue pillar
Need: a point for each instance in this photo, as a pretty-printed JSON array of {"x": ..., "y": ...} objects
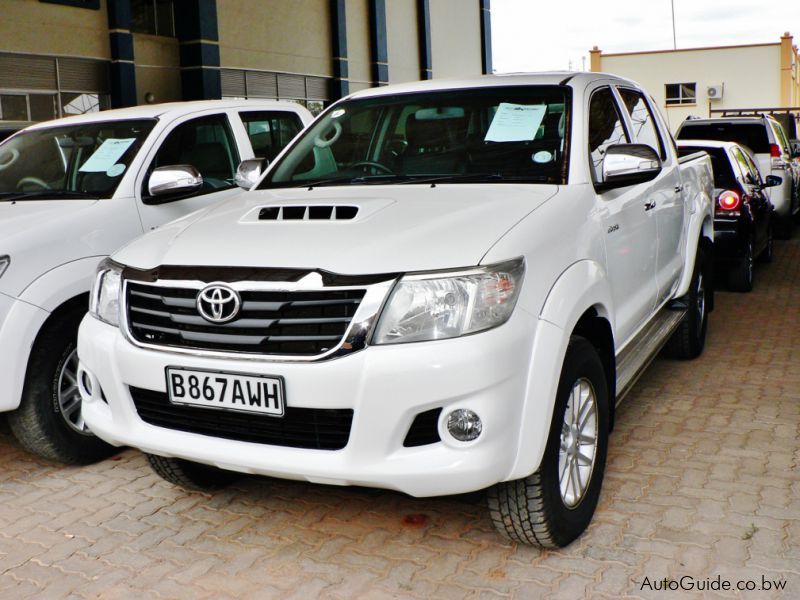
[
  {"x": 378, "y": 46},
  {"x": 196, "y": 28},
  {"x": 122, "y": 74},
  {"x": 425, "y": 53},
  {"x": 486, "y": 36},
  {"x": 340, "y": 86}
]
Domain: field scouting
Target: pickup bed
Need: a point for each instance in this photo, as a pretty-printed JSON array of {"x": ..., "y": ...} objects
[
  {"x": 74, "y": 190},
  {"x": 438, "y": 288}
]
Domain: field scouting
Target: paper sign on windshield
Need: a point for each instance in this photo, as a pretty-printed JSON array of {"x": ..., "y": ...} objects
[
  {"x": 106, "y": 155},
  {"x": 515, "y": 123}
]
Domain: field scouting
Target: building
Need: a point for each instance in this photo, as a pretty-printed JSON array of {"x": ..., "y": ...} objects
[
  {"x": 704, "y": 81},
  {"x": 69, "y": 56}
]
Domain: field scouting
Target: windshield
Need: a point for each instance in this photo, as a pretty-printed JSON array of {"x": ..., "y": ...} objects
[
  {"x": 77, "y": 161},
  {"x": 752, "y": 135},
  {"x": 468, "y": 135}
]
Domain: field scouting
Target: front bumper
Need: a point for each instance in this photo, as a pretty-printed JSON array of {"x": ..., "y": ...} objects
[{"x": 385, "y": 386}]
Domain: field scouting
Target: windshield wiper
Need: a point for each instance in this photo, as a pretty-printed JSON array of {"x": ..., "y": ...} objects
[{"x": 47, "y": 194}]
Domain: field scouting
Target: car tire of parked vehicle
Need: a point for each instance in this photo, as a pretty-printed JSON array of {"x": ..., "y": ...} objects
[
  {"x": 540, "y": 510},
  {"x": 740, "y": 277},
  {"x": 190, "y": 475},
  {"x": 39, "y": 424},
  {"x": 689, "y": 339},
  {"x": 768, "y": 252}
]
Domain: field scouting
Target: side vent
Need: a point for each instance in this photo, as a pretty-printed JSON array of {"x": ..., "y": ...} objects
[{"x": 307, "y": 213}]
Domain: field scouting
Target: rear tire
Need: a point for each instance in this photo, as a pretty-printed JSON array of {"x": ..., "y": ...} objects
[
  {"x": 689, "y": 339},
  {"x": 555, "y": 504},
  {"x": 190, "y": 475},
  {"x": 48, "y": 421},
  {"x": 740, "y": 277}
]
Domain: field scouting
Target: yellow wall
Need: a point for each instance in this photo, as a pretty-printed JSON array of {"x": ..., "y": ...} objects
[
  {"x": 403, "y": 40},
  {"x": 30, "y": 26},
  {"x": 455, "y": 38},
  {"x": 750, "y": 75},
  {"x": 280, "y": 35}
]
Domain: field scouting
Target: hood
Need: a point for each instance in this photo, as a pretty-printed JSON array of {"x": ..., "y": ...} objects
[
  {"x": 20, "y": 218},
  {"x": 380, "y": 229}
]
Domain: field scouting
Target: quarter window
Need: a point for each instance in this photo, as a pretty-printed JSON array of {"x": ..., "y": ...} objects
[
  {"x": 644, "y": 127},
  {"x": 681, "y": 93},
  {"x": 605, "y": 128}
]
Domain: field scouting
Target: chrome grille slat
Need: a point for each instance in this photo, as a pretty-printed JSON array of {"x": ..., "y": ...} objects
[{"x": 305, "y": 322}]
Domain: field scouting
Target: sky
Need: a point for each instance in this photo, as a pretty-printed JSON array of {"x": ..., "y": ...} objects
[{"x": 537, "y": 35}]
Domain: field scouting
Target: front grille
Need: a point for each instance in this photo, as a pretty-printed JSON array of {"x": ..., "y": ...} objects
[
  {"x": 270, "y": 322},
  {"x": 424, "y": 430},
  {"x": 312, "y": 428}
]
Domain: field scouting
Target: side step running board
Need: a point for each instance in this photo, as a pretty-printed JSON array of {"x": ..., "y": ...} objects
[{"x": 641, "y": 351}]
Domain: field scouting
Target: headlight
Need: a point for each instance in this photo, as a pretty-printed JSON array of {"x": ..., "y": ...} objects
[
  {"x": 436, "y": 306},
  {"x": 4, "y": 262},
  {"x": 104, "y": 301}
]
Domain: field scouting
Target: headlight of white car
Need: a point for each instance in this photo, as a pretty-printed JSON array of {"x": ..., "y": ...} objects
[
  {"x": 104, "y": 302},
  {"x": 436, "y": 306},
  {"x": 4, "y": 262}
]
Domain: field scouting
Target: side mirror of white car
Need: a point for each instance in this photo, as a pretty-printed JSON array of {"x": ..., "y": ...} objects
[
  {"x": 629, "y": 164},
  {"x": 174, "y": 179},
  {"x": 249, "y": 172}
]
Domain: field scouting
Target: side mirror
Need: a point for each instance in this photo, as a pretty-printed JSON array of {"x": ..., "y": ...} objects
[
  {"x": 629, "y": 164},
  {"x": 249, "y": 172},
  {"x": 174, "y": 179},
  {"x": 772, "y": 181}
]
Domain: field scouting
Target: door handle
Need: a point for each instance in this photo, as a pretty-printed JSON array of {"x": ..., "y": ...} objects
[
  {"x": 678, "y": 189},
  {"x": 650, "y": 205}
]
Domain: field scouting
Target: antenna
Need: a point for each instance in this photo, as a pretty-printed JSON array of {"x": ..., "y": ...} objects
[{"x": 674, "y": 39}]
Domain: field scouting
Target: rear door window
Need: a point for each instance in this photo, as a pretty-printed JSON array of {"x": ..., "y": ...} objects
[
  {"x": 605, "y": 129},
  {"x": 752, "y": 135},
  {"x": 724, "y": 176},
  {"x": 270, "y": 131}
]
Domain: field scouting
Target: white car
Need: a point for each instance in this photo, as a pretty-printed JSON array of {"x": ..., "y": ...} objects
[
  {"x": 74, "y": 190},
  {"x": 439, "y": 287}
]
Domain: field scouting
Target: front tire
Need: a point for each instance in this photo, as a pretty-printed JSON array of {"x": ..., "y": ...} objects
[
  {"x": 689, "y": 339},
  {"x": 48, "y": 421},
  {"x": 555, "y": 504},
  {"x": 190, "y": 475}
]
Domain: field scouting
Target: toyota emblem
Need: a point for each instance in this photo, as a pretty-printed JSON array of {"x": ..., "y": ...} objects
[{"x": 218, "y": 303}]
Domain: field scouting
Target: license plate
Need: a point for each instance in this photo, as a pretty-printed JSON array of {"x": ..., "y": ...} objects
[{"x": 226, "y": 391}]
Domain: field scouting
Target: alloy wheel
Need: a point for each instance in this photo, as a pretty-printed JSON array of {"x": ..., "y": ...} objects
[{"x": 576, "y": 457}]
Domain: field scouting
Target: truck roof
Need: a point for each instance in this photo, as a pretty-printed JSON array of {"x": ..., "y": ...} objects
[
  {"x": 574, "y": 78},
  {"x": 151, "y": 111}
]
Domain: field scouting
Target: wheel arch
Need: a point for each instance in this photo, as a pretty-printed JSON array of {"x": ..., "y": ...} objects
[{"x": 579, "y": 302}]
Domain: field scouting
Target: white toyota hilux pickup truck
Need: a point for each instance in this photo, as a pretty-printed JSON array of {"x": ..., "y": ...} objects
[
  {"x": 439, "y": 287},
  {"x": 74, "y": 190}
]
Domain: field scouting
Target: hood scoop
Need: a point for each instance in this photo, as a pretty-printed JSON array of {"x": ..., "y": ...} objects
[{"x": 314, "y": 212}]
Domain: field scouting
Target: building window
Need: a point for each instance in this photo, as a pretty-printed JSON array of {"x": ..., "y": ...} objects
[
  {"x": 681, "y": 93},
  {"x": 155, "y": 17}
]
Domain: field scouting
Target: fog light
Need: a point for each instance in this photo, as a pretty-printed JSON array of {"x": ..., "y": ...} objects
[{"x": 464, "y": 425}]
